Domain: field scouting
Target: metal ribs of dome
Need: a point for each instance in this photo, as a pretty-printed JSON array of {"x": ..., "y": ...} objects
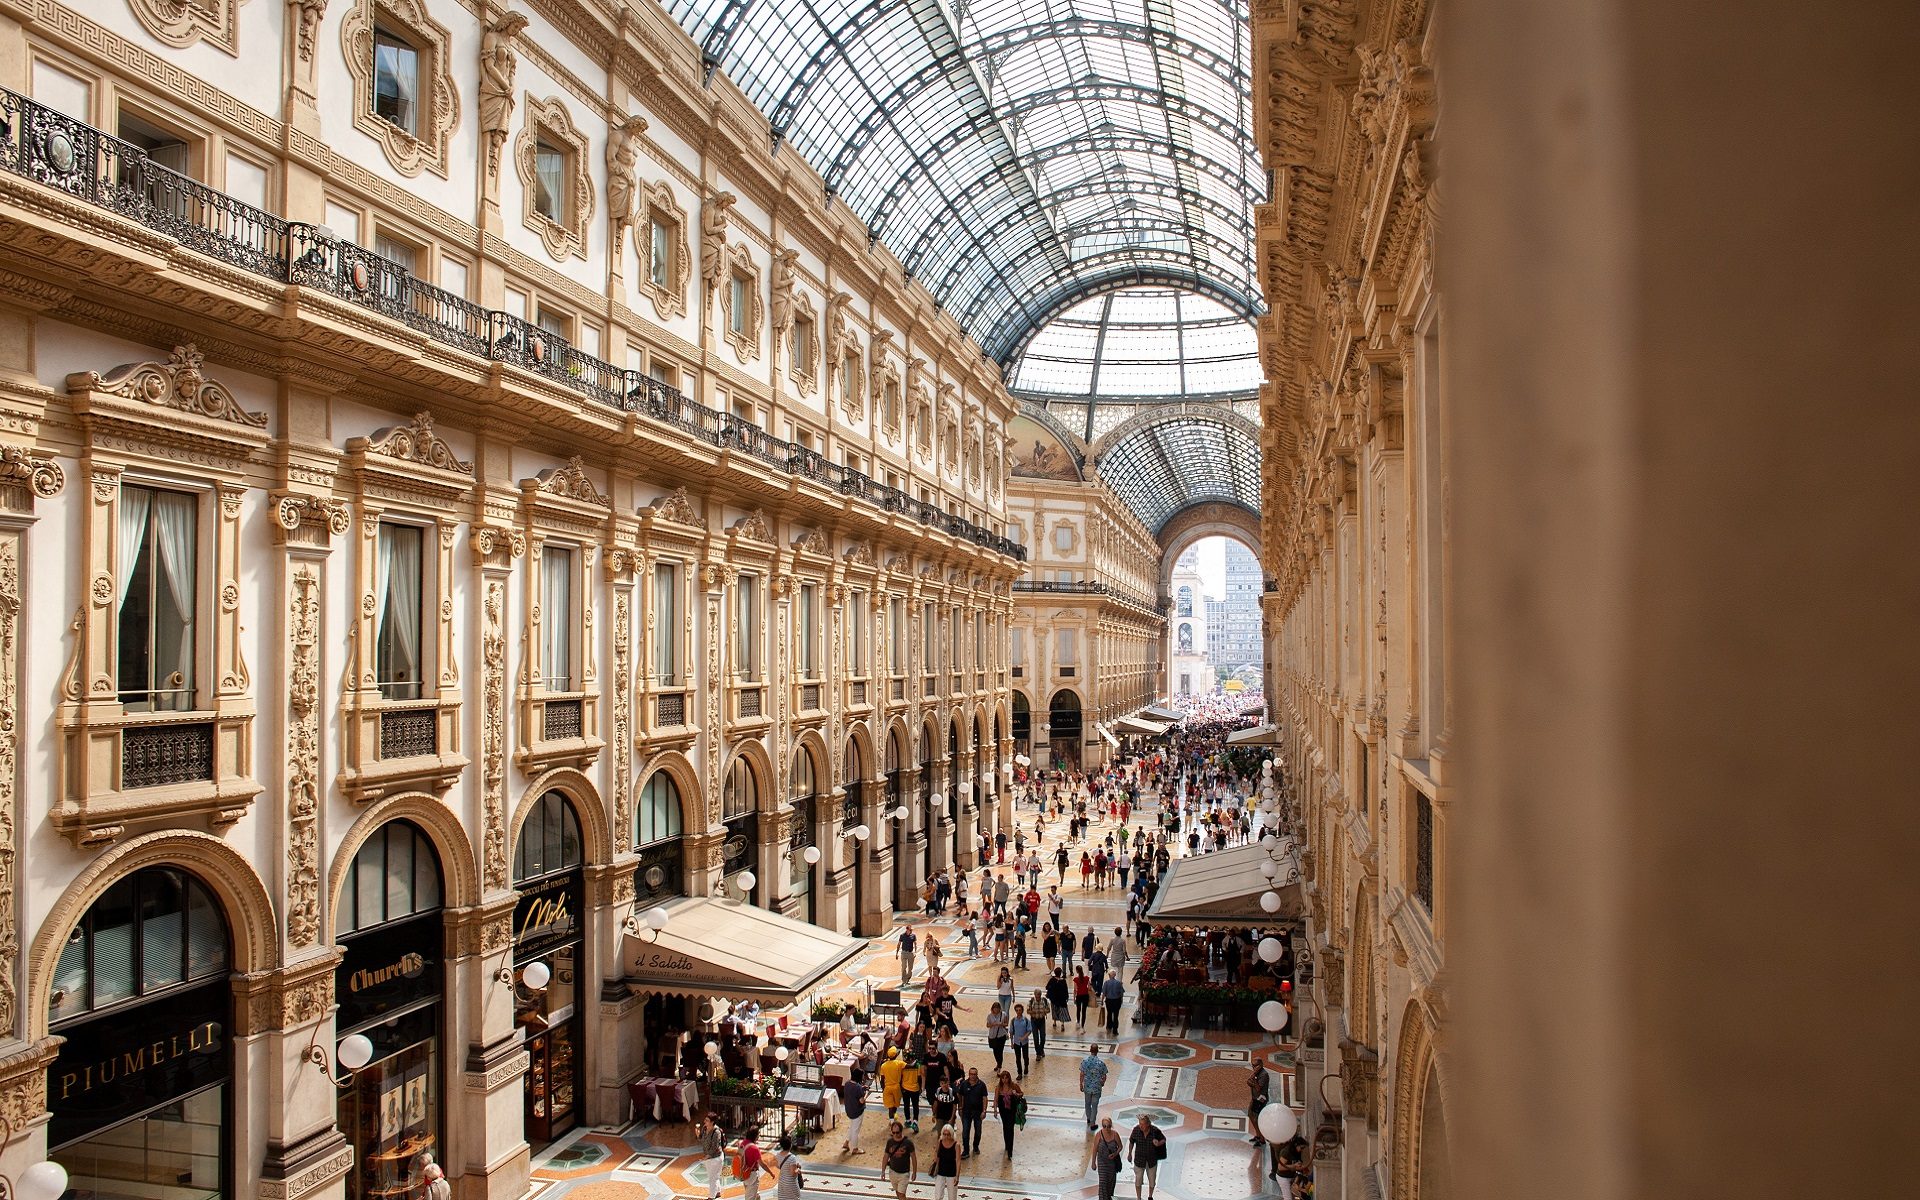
[
  {"x": 1016, "y": 155},
  {"x": 1163, "y": 467}
]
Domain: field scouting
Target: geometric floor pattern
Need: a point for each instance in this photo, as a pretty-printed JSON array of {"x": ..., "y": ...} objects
[{"x": 1192, "y": 1081}]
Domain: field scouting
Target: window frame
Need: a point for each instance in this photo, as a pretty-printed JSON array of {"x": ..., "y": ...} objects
[
  {"x": 192, "y": 635},
  {"x": 423, "y": 669}
]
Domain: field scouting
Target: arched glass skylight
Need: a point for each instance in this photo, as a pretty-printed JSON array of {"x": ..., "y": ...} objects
[
  {"x": 1016, "y": 155},
  {"x": 1141, "y": 342}
]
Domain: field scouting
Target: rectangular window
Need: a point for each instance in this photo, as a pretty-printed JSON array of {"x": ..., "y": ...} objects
[
  {"x": 1018, "y": 648},
  {"x": 556, "y": 618},
  {"x": 857, "y": 632},
  {"x": 803, "y": 347},
  {"x": 397, "y": 603},
  {"x": 1423, "y": 850},
  {"x": 550, "y": 171},
  {"x": 897, "y": 635},
  {"x": 810, "y": 631},
  {"x": 158, "y": 578},
  {"x": 1067, "y": 647},
  {"x": 849, "y": 368},
  {"x": 555, "y": 322},
  {"x": 660, "y": 260},
  {"x": 396, "y": 80},
  {"x": 738, "y": 298},
  {"x": 979, "y": 641},
  {"x": 929, "y": 639},
  {"x": 666, "y": 623},
  {"x": 746, "y": 628}
]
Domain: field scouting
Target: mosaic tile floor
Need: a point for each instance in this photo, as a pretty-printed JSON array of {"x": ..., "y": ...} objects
[{"x": 1192, "y": 1081}]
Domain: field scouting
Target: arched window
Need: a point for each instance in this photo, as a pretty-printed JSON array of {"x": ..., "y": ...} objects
[
  {"x": 1185, "y": 602},
  {"x": 741, "y": 796},
  {"x": 801, "y": 785},
  {"x": 158, "y": 929},
  {"x": 657, "y": 817},
  {"x": 396, "y": 874},
  {"x": 549, "y": 841}
]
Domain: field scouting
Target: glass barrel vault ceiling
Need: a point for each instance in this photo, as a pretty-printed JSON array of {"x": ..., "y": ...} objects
[
  {"x": 1140, "y": 343},
  {"x": 1017, "y": 156}
]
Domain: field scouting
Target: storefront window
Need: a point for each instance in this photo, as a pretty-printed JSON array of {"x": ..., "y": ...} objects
[
  {"x": 546, "y": 930},
  {"x": 800, "y": 797},
  {"x": 390, "y": 986},
  {"x": 138, "y": 1094},
  {"x": 740, "y": 812}
]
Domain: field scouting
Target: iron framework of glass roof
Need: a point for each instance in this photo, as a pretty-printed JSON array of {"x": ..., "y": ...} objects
[
  {"x": 1017, "y": 156},
  {"x": 1167, "y": 466},
  {"x": 1140, "y": 344}
]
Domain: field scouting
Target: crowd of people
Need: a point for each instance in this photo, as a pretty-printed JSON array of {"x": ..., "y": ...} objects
[{"x": 1051, "y": 977}]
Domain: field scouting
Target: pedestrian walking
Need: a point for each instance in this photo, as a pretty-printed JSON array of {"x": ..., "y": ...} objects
[
  {"x": 910, "y": 1080},
  {"x": 1146, "y": 1146},
  {"x": 1259, "y": 1089},
  {"x": 1104, "y": 1161},
  {"x": 1038, "y": 1009},
  {"x": 1093, "y": 1081},
  {"x": 1115, "y": 994},
  {"x": 908, "y": 940},
  {"x": 1057, "y": 1000},
  {"x": 902, "y": 1160},
  {"x": 891, "y": 1072},
  {"x": 1010, "y": 1103},
  {"x": 997, "y": 1034},
  {"x": 713, "y": 1155},
  {"x": 853, "y": 1101},
  {"x": 749, "y": 1164},
  {"x": 946, "y": 1166},
  {"x": 1082, "y": 996},
  {"x": 972, "y": 1097},
  {"x": 1020, "y": 1033},
  {"x": 792, "y": 1177}
]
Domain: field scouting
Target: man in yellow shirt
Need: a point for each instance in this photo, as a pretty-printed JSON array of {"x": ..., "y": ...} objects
[{"x": 891, "y": 1072}]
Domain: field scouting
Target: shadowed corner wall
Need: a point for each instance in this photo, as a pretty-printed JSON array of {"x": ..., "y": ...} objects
[{"x": 1680, "y": 268}]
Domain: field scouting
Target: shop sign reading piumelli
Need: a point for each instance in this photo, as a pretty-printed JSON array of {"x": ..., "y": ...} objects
[{"x": 125, "y": 1063}]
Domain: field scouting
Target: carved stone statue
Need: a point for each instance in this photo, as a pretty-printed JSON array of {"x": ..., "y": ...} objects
[
  {"x": 713, "y": 237},
  {"x": 497, "y": 67},
  {"x": 785, "y": 272},
  {"x": 623, "y": 176}
]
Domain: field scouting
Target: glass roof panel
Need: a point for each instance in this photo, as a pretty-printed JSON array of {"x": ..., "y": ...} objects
[
  {"x": 1160, "y": 341},
  {"x": 970, "y": 138}
]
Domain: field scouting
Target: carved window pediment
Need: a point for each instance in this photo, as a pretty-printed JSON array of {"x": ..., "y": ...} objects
[
  {"x": 676, "y": 506},
  {"x": 437, "y": 99},
  {"x": 181, "y": 23},
  {"x": 844, "y": 358},
  {"x": 411, "y": 460},
  {"x": 665, "y": 250},
  {"x": 172, "y": 407},
  {"x": 568, "y": 495},
  {"x": 549, "y": 126}
]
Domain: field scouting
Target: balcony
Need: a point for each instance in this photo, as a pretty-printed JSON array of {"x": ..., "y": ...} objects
[
  {"x": 69, "y": 156},
  {"x": 1081, "y": 588}
]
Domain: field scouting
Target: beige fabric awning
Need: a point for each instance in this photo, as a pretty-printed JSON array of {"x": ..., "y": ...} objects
[
  {"x": 1258, "y": 735},
  {"x": 1157, "y": 713},
  {"x": 1106, "y": 735},
  {"x": 1224, "y": 888},
  {"x": 1136, "y": 725},
  {"x": 714, "y": 947}
]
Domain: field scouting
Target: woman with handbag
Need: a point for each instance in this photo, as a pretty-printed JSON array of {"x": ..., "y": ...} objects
[
  {"x": 1010, "y": 1102},
  {"x": 1105, "y": 1158},
  {"x": 997, "y": 1035}
]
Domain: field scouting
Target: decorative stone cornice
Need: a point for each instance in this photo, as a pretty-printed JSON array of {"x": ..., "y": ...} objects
[
  {"x": 675, "y": 506},
  {"x": 571, "y": 482},
  {"x": 416, "y": 442}
]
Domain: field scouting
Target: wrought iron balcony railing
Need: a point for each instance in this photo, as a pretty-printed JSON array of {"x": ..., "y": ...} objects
[
  {"x": 53, "y": 149},
  {"x": 1085, "y": 589}
]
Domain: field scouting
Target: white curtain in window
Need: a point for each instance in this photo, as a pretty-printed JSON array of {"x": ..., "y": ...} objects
[
  {"x": 666, "y": 622},
  {"x": 556, "y": 619},
  {"x": 134, "y": 505},
  {"x": 173, "y": 529},
  {"x": 398, "y": 602}
]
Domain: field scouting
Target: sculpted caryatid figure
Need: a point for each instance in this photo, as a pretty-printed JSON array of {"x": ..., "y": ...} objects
[
  {"x": 623, "y": 175},
  {"x": 497, "y": 66},
  {"x": 713, "y": 237},
  {"x": 785, "y": 270}
]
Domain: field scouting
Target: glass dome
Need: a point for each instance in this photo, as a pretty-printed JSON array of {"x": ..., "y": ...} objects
[{"x": 1143, "y": 342}]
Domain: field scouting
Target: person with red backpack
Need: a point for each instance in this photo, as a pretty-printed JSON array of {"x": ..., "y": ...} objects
[{"x": 748, "y": 1163}]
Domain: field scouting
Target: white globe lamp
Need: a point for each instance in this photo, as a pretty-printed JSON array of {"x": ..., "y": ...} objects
[
  {"x": 745, "y": 881},
  {"x": 1278, "y": 1122},
  {"x": 42, "y": 1181},
  {"x": 657, "y": 919},
  {"x": 354, "y": 1051},
  {"x": 811, "y": 854},
  {"x": 1273, "y": 1016},
  {"x": 1270, "y": 949},
  {"x": 536, "y": 975},
  {"x": 900, "y": 813},
  {"x": 1270, "y": 901},
  {"x": 861, "y": 833}
]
